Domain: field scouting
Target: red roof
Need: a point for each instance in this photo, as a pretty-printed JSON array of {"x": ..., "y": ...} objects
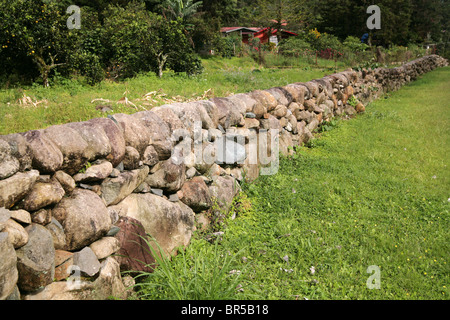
[
  {"x": 232, "y": 29},
  {"x": 274, "y": 31}
]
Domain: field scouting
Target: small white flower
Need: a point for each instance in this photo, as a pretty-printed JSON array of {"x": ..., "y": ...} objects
[{"x": 313, "y": 270}]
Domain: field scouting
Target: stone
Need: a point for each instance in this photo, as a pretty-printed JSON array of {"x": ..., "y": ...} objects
[
  {"x": 135, "y": 131},
  {"x": 84, "y": 218},
  {"x": 150, "y": 156},
  {"x": 131, "y": 159},
  {"x": 134, "y": 253},
  {"x": 228, "y": 113},
  {"x": 202, "y": 221},
  {"x": 190, "y": 173},
  {"x": 20, "y": 150},
  {"x": 107, "y": 284},
  {"x": 360, "y": 108},
  {"x": 115, "y": 190},
  {"x": 86, "y": 262},
  {"x": 251, "y": 123},
  {"x": 98, "y": 144},
  {"x": 230, "y": 149},
  {"x": 63, "y": 264},
  {"x": 65, "y": 180},
  {"x": 171, "y": 224},
  {"x": 170, "y": 176},
  {"x": 170, "y": 118},
  {"x": 36, "y": 259},
  {"x": 43, "y": 194},
  {"x": 8, "y": 267},
  {"x": 57, "y": 232},
  {"x": 94, "y": 173},
  {"x": 245, "y": 98},
  {"x": 72, "y": 146},
  {"x": 224, "y": 189},
  {"x": 21, "y": 216},
  {"x": 47, "y": 158},
  {"x": 313, "y": 125},
  {"x": 115, "y": 136},
  {"x": 280, "y": 111},
  {"x": 16, "y": 233},
  {"x": 5, "y": 215},
  {"x": 105, "y": 247},
  {"x": 42, "y": 217},
  {"x": 282, "y": 95},
  {"x": 298, "y": 92},
  {"x": 270, "y": 123},
  {"x": 16, "y": 187},
  {"x": 265, "y": 98},
  {"x": 9, "y": 165},
  {"x": 196, "y": 194},
  {"x": 159, "y": 132}
]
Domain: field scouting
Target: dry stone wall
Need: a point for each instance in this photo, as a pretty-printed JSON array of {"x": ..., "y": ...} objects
[{"x": 76, "y": 200}]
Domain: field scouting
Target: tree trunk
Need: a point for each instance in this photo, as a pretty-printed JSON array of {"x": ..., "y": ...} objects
[
  {"x": 45, "y": 68},
  {"x": 161, "y": 58}
]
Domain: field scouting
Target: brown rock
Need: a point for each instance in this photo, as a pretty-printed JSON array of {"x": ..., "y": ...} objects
[
  {"x": 134, "y": 253},
  {"x": 196, "y": 194},
  {"x": 43, "y": 194}
]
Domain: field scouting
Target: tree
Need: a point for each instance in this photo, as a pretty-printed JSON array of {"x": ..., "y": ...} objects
[
  {"x": 37, "y": 31},
  {"x": 180, "y": 8},
  {"x": 278, "y": 15}
]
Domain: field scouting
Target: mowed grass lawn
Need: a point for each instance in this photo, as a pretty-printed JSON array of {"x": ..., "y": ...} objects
[{"x": 374, "y": 191}]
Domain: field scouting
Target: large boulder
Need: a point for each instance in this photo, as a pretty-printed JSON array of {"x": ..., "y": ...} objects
[
  {"x": 36, "y": 259},
  {"x": 15, "y": 188},
  {"x": 229, "y": 112},
  {"x": 98, "y": 144},
  {"x": 8, "y": 267},
  {"x": 135, "y": 131},
  {"x": 115, "y": 137},
  {"x": 47, "y": 158},
  {"x": 159, "y": 131},
  {"x": 169, "y": 223},
  {"x": 74, "y": 149},
  {"x": 84, "y": 217}
]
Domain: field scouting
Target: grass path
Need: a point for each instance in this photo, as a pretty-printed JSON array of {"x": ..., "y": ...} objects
[{"x": 374, "y": 191}]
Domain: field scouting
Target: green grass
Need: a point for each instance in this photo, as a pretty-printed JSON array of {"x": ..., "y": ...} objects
[
  {"x": 71, "y": 100},
  {"x": 374, "y": 191}
]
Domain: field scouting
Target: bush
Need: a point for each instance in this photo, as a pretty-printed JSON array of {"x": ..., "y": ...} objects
[{"x": 294, "y": 46}]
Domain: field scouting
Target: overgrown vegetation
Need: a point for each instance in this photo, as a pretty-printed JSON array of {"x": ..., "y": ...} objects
[
  {"x": 371, "y": 192},
  {"x": 120, "y": 39}
]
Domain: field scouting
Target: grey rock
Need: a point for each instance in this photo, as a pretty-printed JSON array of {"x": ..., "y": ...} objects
[
  {"x": 43, "y": 194},
  {"x": 36, "y": 259},
  {"x": 86, "y": 262},
  {"x": 95, "y": 173},
  {"x": 84, "y": 218},
  {"x": 9, "y": 165},
  {"x": 8, "y": 267},
  {"x": 16, "y": 187},
  {"x": 115, "y": 190}
]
